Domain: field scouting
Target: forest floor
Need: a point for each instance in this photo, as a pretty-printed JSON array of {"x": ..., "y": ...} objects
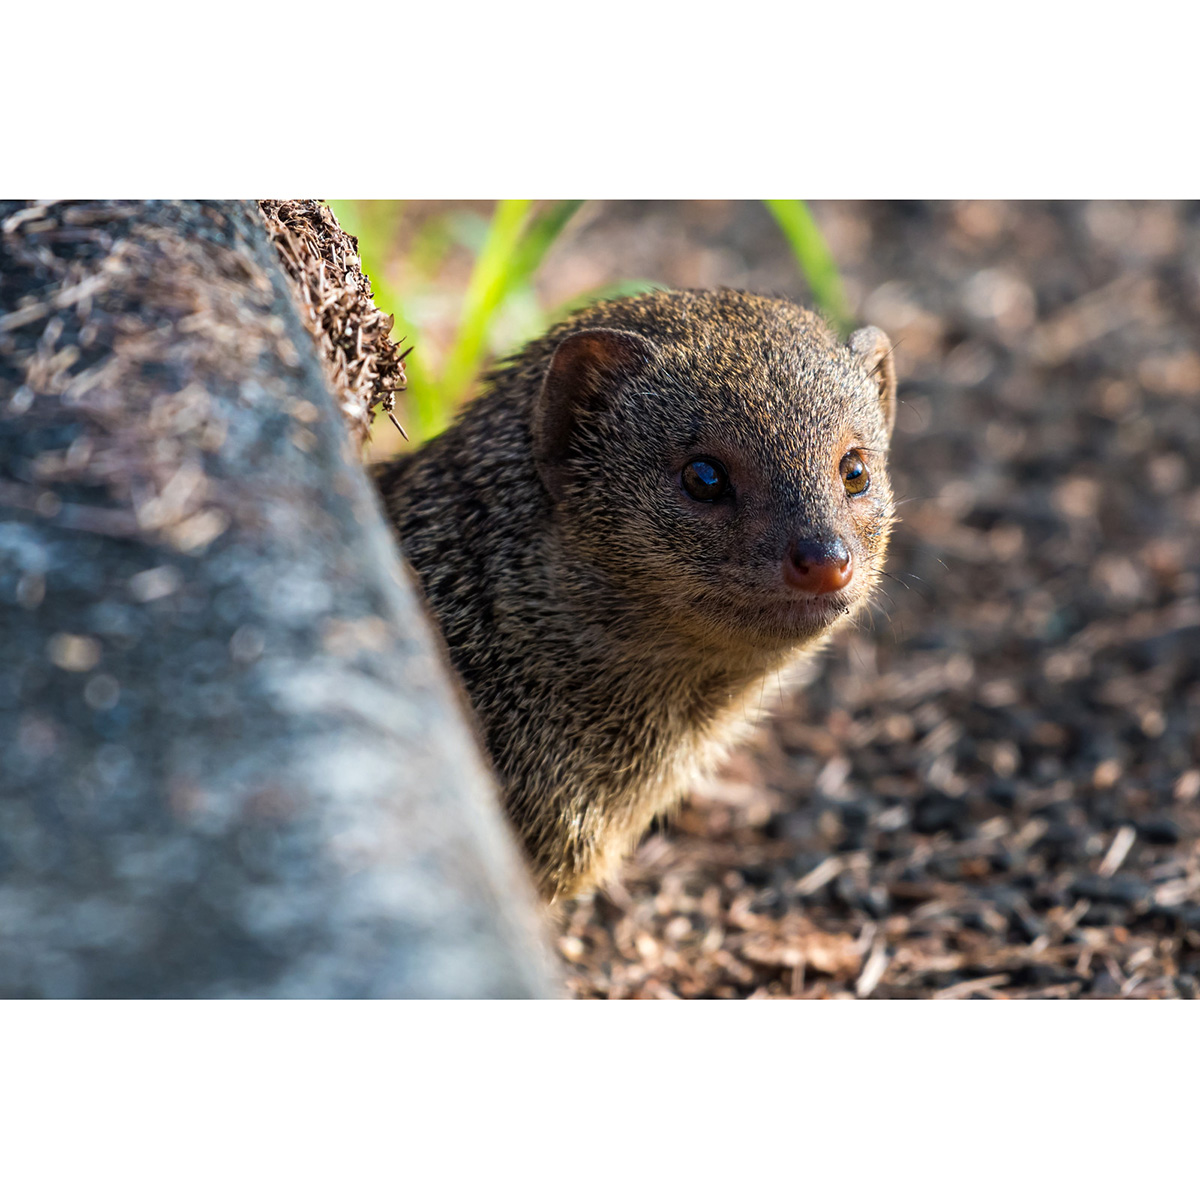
[{"x": 991, "y": 787}]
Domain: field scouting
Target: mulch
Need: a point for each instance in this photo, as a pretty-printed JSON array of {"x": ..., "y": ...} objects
[{"x": 989, "y": 788}]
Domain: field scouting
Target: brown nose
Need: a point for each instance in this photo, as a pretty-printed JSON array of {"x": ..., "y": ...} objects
[{"x": 815, "y": 568}]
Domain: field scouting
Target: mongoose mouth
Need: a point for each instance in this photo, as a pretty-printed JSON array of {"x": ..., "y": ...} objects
[
  {"x": 823, "y": 610},
  {"x": 792, "y": 620}
]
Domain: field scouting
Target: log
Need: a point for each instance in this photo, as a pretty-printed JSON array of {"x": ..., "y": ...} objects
[{"x": 232, "y": 762}]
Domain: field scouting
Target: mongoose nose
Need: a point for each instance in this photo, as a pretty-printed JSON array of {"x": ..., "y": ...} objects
[{"x": 816, "y": 567}]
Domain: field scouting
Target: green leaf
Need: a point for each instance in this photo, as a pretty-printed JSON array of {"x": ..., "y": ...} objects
[{"x": 814, "y": 258}]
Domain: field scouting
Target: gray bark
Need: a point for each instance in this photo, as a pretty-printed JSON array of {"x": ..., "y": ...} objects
[{"x": 231, "y": 762}]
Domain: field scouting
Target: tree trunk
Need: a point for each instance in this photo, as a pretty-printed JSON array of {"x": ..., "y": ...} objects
[{"x": 231, "y": 762}]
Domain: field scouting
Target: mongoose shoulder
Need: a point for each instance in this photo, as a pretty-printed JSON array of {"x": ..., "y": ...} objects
[{"x": 647, "y": 511}]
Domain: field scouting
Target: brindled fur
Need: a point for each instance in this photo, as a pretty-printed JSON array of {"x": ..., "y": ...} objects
[{"x": 613, "y": 642}]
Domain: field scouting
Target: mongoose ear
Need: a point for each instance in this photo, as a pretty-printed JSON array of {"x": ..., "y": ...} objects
[
  {"x": 874, "y": 348},
  {"x": 586, "y": 366}
]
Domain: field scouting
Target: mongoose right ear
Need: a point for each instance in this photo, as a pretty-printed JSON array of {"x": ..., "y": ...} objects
[
  {"x": 586, "y": 367},
  {"x": 874, "y": 348}
]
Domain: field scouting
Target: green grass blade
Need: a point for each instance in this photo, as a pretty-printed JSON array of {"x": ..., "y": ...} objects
[
  {"x": 544, "y": 231},
  {"x": 815, "y": 260},
  {"x": 492, "y": 278}
]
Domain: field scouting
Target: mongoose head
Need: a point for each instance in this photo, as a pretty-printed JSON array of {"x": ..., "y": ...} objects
[{"x": 721, "y": 460}]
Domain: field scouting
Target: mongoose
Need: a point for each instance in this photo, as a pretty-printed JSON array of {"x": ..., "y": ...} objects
[{"x": 647, "y": 512}]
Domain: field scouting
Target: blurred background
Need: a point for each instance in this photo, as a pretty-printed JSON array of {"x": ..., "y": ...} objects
[
  {"x": 989, "y": 788},
  {"x": 470, "y": 282}
]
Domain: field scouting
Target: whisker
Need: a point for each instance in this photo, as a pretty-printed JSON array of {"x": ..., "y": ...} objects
[{"x": 897, "y": 579}]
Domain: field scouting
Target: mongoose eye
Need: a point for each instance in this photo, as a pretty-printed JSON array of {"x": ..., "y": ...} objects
[
  {"x": 705, "y": 479},
  {"x": 855, "y": 475}
]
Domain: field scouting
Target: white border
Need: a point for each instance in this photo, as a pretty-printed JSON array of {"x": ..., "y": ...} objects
[{"x": 631, "y": 99}]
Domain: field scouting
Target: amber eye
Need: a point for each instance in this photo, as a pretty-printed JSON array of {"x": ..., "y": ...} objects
[
  {"x": 705, "y": 479},
  {"x": 855, "y": 475}
]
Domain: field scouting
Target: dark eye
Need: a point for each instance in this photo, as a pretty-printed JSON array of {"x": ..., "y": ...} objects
[
  {"x": 705, "y": 479},
  {"x": 855, "y": 475}
]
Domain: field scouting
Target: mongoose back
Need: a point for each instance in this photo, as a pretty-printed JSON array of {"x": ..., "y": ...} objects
[{"x": 647, "y": 512}]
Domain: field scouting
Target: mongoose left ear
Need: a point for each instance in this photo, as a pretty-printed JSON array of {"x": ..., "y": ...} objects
[
  {"x": 587, "y": 366},
  {"x": 873, "y": 347}
]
